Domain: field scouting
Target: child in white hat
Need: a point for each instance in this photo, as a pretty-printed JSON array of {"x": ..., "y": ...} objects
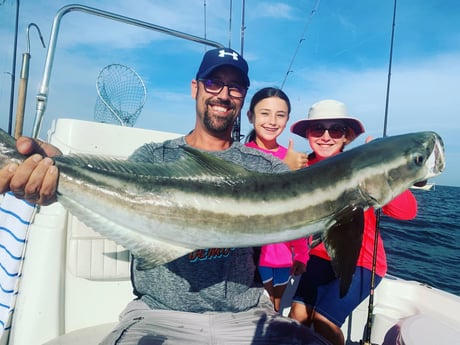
[{"x": 317, "y": 301}]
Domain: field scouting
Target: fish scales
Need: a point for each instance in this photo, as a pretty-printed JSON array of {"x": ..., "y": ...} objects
[{"x": 202, "y": 201}]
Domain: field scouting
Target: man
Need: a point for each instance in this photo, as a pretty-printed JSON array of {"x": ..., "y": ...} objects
[{"x": 208, "y": 296}]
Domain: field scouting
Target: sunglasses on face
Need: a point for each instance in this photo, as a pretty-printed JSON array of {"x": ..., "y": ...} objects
[
  {"x": 215, "y": 86},
  {"x": 335, "y": 131}
]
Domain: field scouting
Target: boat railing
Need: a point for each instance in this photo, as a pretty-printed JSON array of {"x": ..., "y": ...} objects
[{"x": 42, "y": 96}]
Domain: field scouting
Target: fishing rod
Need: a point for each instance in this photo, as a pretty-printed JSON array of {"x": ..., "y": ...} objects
[
  {"x": 302, "y": 38},
  {"x": 13, "y": 67},
  {"x": 23, "y": 81},
  {"x": 370, "y": 311},
  {"x": 236, "y": 131}
]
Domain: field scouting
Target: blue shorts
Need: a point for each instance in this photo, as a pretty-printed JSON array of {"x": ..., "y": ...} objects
[
  {"x": 319, "y": 289},
  {"x": 279, "y": 275}
]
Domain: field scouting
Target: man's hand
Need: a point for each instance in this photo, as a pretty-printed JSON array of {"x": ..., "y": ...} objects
[
  {"x": 295, "y": 160},
  {"x": 35, "y": 179}
]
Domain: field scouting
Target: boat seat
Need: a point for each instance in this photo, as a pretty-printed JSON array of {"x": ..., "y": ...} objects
[
  {"x": 75, "y": 282},
  {"x": 89, "y": 335},
  {"x": 90, "y": 255},
  {"x": 423, "y": 329},
  {"x": 93, "y": 257}
]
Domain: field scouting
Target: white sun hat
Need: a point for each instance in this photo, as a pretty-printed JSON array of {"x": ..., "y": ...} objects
[{"x": 328, "y": 109}]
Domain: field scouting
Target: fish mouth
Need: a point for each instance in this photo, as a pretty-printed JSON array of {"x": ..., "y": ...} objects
[
  {"x": 436, "y": 161},
  {"x": 440, "y": 155}
]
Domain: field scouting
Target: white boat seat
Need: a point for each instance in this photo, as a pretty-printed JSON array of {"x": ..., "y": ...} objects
[
  {"x": 93, "y": 257},
  {"x": 84, "y": 336},
  {"x": 75, "y": 282},
  {"x": 425, "y": 329}
]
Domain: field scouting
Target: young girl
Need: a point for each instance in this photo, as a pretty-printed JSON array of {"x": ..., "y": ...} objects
[
  {"x": 317, "y": 301},
  {"x": 269, "y": 112}
]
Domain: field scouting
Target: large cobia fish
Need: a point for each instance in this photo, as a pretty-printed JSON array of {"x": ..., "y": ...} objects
[{"x": 163, "y": 211}]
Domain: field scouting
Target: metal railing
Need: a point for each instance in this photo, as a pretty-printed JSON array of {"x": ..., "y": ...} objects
[{"x": 42, "y": 95}]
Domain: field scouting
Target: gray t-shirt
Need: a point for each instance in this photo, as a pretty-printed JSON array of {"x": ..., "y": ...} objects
[{"x": 212, "y": 279}]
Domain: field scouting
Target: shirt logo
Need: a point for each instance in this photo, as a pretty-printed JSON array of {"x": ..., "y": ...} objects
[
  {"x": 209, "y": 254},
  {"x": 222, "y": 53}
]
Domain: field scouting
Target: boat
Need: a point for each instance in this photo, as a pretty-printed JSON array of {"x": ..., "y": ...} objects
[{"x": 68, "y": 291}]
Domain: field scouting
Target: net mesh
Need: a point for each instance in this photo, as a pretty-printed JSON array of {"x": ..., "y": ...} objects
[{"x": 121, "y": 95}]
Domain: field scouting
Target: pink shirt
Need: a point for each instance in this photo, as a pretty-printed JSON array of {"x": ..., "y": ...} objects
[
  {"x": 280, "y": 152},
  {"x": 281, "y": 254}
]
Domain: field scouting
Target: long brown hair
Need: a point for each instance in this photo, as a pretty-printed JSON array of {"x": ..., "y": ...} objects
[{"x": 263, "y": 93}]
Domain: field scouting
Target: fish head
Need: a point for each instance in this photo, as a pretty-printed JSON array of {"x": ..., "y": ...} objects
[
  {"x": 403, "y": 161},
  {"x": 425, "y": 155}
]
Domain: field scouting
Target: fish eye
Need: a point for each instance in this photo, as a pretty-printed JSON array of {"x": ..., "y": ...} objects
[{"x": 419, "y": 160}]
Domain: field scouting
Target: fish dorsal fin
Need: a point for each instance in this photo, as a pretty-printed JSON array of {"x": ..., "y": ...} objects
[
  {"x": 343, "y": 241},
  {"x": 207, "y": 163},
  {"x": 193, "y": 164}
]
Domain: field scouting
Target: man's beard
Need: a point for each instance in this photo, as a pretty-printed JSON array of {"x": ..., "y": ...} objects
[{"x": 221, "y": 125}]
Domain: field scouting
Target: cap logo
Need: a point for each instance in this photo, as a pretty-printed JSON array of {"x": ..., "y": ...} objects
[{"x": 222, "y": 53}]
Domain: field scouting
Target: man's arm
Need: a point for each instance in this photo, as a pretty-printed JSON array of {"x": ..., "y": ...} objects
[{"x": 35, "y": 179}]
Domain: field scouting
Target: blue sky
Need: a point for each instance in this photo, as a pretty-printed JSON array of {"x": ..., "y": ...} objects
[{"x": 343, "y": 54}]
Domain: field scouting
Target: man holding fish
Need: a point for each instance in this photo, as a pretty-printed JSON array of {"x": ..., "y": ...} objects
[{"x": 209, "y": 296}]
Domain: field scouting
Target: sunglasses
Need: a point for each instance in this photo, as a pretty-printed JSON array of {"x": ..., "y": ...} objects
[
  {"x": 335, "y": 132},
  {"x": 215, "y": 86}
]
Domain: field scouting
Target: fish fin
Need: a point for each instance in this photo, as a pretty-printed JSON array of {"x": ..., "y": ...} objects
[
  {"x": 123, "y": 255},
  {"x": 146, "y": 262},
  {"x": 146, "y": 259},
  {"x": 193, "y": 164},
  {"x": 161, "y": 254},
  {"x": 155, "y": 252},
  {"x": 212, "y": 164},
  {"x": 343, "y": 241}
]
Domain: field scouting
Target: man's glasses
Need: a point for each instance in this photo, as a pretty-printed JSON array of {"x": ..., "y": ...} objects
[
  {"x": 215, "y": 86},
  {"x": 335, "y": 132}
]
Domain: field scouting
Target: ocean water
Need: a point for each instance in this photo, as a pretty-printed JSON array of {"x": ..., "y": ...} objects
[{"x": 427, "y": 249}]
